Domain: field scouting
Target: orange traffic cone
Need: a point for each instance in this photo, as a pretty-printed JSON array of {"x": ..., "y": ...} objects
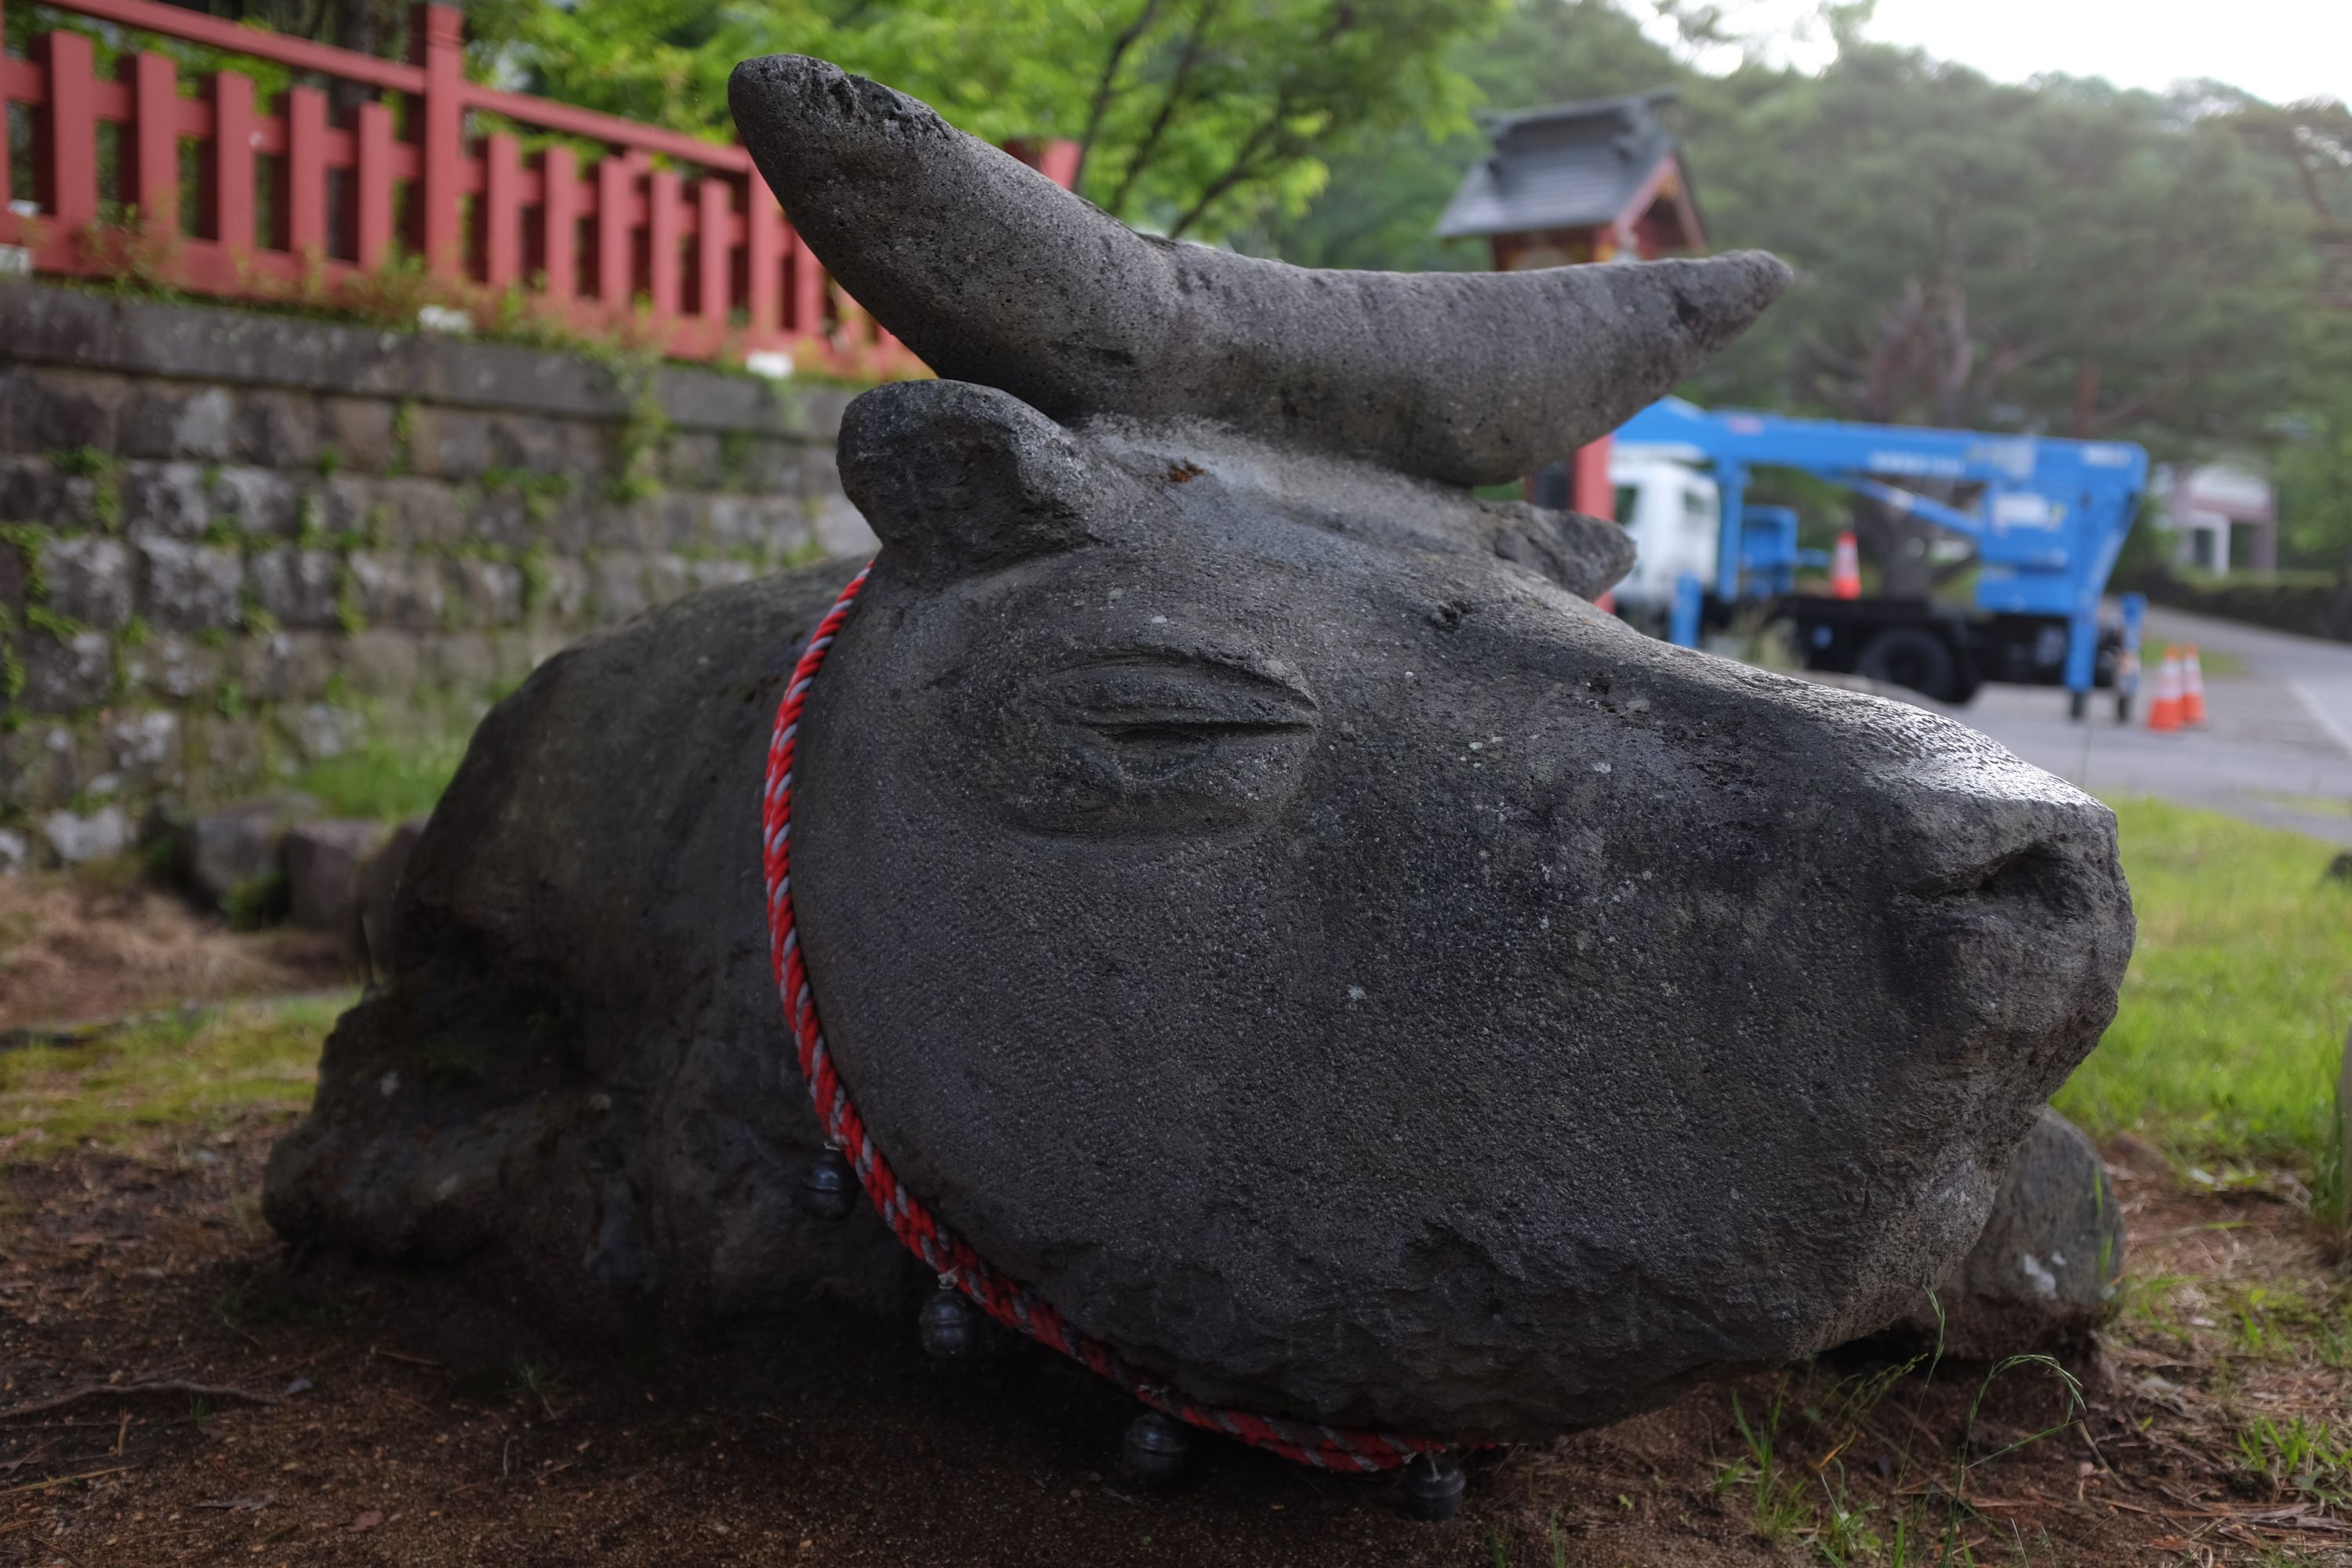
[
  {"x": 2192, "y": 688},
  {"x": 1845, "y": 569},
  {"x": 2164, "y": 713}
]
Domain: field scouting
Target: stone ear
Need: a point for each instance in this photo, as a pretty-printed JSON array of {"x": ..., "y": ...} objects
[{"x": 959, "y": 479}]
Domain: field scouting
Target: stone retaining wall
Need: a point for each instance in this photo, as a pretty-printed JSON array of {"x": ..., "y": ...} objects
[{"x": 233, "y": 543}]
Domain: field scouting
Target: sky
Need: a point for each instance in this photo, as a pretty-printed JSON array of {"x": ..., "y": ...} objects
[{"x": 2277, "y": 49}]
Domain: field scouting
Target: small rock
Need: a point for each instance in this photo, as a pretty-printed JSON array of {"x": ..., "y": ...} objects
[
  {"x": 16, "y": 851},
  {"x": 226, "y": 851},
  {"x": 74, "y": 840},
  {"x": 323, "y": 861},
  {"x": 2041, "y": 1273}
]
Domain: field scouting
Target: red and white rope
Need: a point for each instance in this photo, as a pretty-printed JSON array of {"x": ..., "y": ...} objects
[{"x": 1005, "y": 1300}]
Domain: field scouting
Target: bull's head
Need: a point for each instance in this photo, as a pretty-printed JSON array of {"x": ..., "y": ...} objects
[{"x": 1257, "y": 899}]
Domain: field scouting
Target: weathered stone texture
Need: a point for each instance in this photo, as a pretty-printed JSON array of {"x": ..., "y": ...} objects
[
  {"x": 164, "y": 500},
  {"x": 90, "y": 579},
  {"x": 241, "y": 520},
  {"x": 189, "y": 587},
  {"x": 63, "y": 675},
  {"x": 295, "y": 586}
]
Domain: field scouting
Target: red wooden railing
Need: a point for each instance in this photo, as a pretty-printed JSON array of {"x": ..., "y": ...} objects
[{"x": 674, "y": 243}]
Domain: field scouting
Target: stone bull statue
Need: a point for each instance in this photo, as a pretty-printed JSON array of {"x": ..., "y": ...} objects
[{"x": 1251, "y": 893}]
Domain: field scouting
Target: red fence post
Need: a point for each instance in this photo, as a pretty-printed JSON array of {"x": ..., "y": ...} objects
[
  {"x": 714, "y": 251},
  {"x": 230, "y": 219},
  {"x": 617, "y": 256},
  {"x": 763, "y": 259},
  {"x": 371, "y": 226},
  {"x": 498, "y": 215},
  {"x": 153, "y": 142},
  {"x": 559, "y": 216},
  {"x": 306, "y": 174},
  {"x": 808, "y": 292},
  {"x": 662, "y": 237},
  {"x": 437, "y": 40},
  {"x": 69, "y": 164}
]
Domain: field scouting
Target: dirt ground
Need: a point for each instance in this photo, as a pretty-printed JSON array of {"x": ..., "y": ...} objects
[
  {"x": 100, "y": 945},
  {"x": 175, "y": 1387}
]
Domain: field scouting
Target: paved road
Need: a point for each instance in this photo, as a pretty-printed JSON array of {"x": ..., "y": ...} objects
[{"x": 2277, "y": 748}]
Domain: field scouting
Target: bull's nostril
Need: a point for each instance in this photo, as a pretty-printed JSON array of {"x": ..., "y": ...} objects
[{"x": 2038, "y": 873}]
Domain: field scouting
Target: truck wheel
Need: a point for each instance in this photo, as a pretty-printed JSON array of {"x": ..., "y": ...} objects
[{"x": 1913, "y": 656}]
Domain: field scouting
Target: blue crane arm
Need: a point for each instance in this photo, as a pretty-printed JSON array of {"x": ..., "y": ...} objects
[{"x": 2048, "y": 517}]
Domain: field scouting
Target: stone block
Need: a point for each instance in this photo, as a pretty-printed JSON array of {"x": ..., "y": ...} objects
[
  {"x": 753, "y": 522},
  {"x": 318, "y": 729},
  {"x": 67, "y": 675},
  {"x": 275, "y": 429},
  {"x": 692, "y": 460},
  {"x": 142, "y": 748},
  {"x": 462, "y": 661},
  {"x": 667, "y": 577},
  {"x": 380, "y": 663},
  {"x": 720, "y": 571},
  {"x": 89, "y": 577},
  {"x": 295, "y": 586},
  {"x": 284, "y": 667},
  {"x": 189, "y": 587},
  {"x": 396, "y": 514},
  {"x": 359, "y": 430},
  {"x": 397, "y": 591},
  {"x": 448, "y": 443},
  {"x": 527, "y": 442},
  {"x": 322, "y": 862},
  {"x": 764, "y": 465},
  {"x": 834, "y": 523},
  {"x": 167, "y": 419},
  {"x": 174, "y": 667},
  {"x": 488, "y": 592},
  {"x": 682, "y": 522},
  {"x": 500, "y": 518},
  {"x": 616, "y": 583},
  {"x": 15, "y": 580},
  {"x": 75, "y": 838},
  {"x": 41, "y": 767},
  {"x": 563, "y": 596},
  {"x": 44, "y": 409},
  {"x": 632, "y": 526},
  {"x": 32, "y": 491},
  {"x": 260, "y": 502},
  {"x": 235, "y": 853},
  {"x": 165, "y": 501},
  {"x": 224, "y": 753}
]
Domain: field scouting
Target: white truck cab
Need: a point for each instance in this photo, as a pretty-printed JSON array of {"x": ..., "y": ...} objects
[{"x": 1674, "y": 513}]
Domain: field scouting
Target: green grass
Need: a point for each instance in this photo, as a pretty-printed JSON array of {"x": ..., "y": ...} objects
[
  {"x": 2231, "y": 1033},
  {"x": 385, "y": 780},
  {"x": 183, "y": 1074}
]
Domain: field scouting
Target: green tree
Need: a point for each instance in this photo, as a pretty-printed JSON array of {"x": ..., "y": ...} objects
[
  {"x": 1192, "y": 116},
  {"x": 2062, "y": 257},
  {"x": 1381, "y": 206}
]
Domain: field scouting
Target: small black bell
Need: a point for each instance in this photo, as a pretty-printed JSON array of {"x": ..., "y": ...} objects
[
  {"x": 828, "y": 1188},
  {"x": 949, "y": 1325},
  {"x": 1431, "y": 1488},
  {"x": 1157, "y": 1447}
]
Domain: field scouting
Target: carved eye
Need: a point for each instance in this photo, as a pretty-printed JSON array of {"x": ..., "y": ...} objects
[{"x": 1152, "y": 742}]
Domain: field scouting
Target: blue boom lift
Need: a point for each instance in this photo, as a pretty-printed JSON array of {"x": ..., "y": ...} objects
[{"x": 2047, "y": 518}]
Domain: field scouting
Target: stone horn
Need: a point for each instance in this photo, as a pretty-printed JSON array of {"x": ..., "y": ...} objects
[{"x": 995, "y": 275}]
